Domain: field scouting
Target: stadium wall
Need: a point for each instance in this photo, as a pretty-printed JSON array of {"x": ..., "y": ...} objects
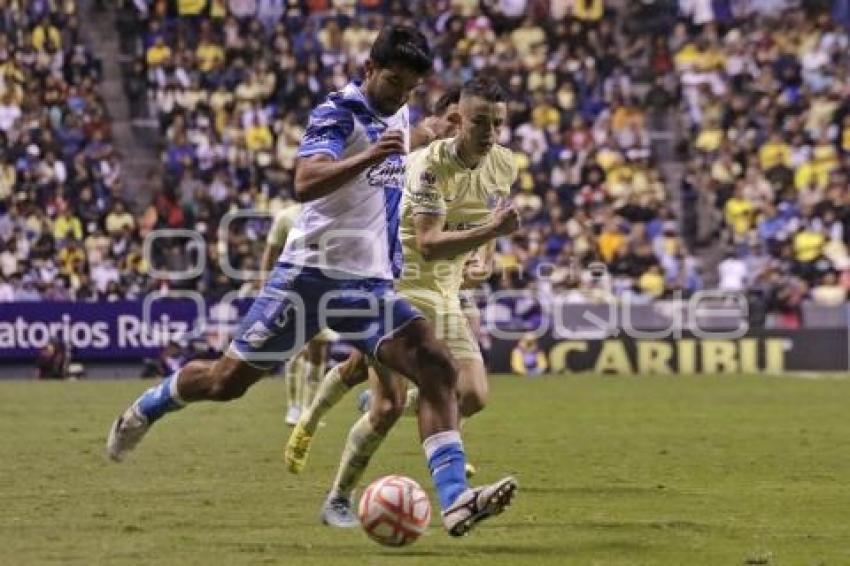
[
  {"x": 758, "y": 352},
  {"x": 119, "y": 335},
  {"x": 121, "y": 330}
]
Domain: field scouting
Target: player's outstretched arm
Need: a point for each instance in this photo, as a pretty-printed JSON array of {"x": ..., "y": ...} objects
[
  {"x": 320, "y": 175},
  {"x": 435, "y": 243}
]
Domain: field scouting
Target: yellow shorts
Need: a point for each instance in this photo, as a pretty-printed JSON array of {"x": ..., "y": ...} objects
[{"x": 450, "y": 325}]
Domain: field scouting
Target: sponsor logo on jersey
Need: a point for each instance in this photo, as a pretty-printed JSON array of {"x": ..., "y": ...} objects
[
  {"x": 424, "y": 197},
  {"x": 459, "y": 226},
  {"x": 321, "y": 122},
  {"x": 313, "y": 139},
  {"x": 388, "y": 173}
]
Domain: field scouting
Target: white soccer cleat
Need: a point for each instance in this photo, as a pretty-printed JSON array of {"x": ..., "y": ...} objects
[
  {"x": 292, "y": 415},
  {"x": 337, "y": 512},
  {"x": 126, "y": 432},
  {"x": 476, "y": 504}
]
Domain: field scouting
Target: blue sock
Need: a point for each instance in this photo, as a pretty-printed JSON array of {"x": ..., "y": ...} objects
[
  {"x": 160, "y": 399},
  {"x": 447, "y": 463}
]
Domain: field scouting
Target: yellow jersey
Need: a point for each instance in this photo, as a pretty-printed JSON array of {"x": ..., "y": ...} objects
[
  {"x": 739, "y": 215},
  {"x": 652, "y": 284},
  {"x": 437, "y": 183},
  {"x": 772, "y": 154},
  {"x": 190, "y": 7},
  {"x": 157, "y": 54},
  {"x": 283, "y": 222},
  {"x": 258, "y": 138},
  {"x": 808, "y": 245},
  {"x": 589, "y": 11},
  {"x": 209, "y": 56},
  {"x": 42, "y": 33}
]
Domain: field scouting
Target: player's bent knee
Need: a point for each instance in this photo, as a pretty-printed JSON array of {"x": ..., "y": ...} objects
[
  {"x": 472, "y": 402},
  {"x": 385, "y": 412},
  {"x": 473, "y": 391}
]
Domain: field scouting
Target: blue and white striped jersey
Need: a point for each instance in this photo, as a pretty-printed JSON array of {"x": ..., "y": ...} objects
[{"x": 354, "y": 230}]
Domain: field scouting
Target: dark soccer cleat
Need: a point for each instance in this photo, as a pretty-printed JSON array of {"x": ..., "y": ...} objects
[{"x": 478, "y": 504}]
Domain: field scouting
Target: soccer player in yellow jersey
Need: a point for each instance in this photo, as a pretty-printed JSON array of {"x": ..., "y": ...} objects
[
  {"x": 454, "y": 205},
  {"x": 304, "y": 371}
]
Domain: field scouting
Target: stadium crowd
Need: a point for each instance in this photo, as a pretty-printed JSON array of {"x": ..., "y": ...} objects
[
  {"x": 64, "y": 230},
  {"x": 231, "y": 83},
  {"x": 767, "y": 100},
  {"x": 762, "y": 84}
]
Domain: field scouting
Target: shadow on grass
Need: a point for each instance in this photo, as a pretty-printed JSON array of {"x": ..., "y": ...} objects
[
  {"x": 595, "y": 490},
  {"x": 602, "y": 525},
  {"x": 458, "y": 550}
]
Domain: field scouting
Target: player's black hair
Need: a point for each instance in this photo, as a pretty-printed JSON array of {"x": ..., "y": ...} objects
[
  {"x": 404, "y": 46},
  {"x": 451, "y": 96},
  {"x": 487, "y": 88}
]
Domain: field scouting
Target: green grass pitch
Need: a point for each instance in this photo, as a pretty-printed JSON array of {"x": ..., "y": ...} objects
[{"x": 674, "y": 470}]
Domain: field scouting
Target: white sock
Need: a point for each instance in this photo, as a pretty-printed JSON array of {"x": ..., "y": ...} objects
[
  {"x": 362, "y": 442},
  {"x": 330, "y": 391},
  {"x": 411, "y": 402},
  {"x": 292, "y": 376}
]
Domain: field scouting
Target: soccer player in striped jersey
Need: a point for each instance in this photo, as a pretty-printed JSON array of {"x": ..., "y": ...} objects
[
  {"x": 341, "y": 258},
  {"x": 453, "y": 207}
]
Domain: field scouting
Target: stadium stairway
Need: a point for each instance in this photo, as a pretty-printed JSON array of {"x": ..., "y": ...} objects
[
  {"x": 666, "y": 137},
  {"x": 136, "y": 140}
]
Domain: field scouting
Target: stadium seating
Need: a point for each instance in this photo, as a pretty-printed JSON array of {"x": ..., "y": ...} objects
[
  {"x": 765, "y": 97},
  {"x": 229, "y": 84},
  {"x": 59, "y": 173},
  {"x": 231, "y": 90}
]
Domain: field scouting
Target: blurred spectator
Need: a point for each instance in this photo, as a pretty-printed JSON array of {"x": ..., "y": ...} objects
[
  {"x": 651, "y": 283},
  {"x": 170, "y": 359},
  {"x": 53, "y": 360},
  {"x": 829, "y": 292},
  {"x": 527, "y": 358},
  {"x": 7, "y": 291},
  {"x": 118, "y": 219},
  {"x": 733, "y": 274}
]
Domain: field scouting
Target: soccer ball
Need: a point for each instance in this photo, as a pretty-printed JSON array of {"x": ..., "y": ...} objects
[{"x": 394, "y": 511}]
